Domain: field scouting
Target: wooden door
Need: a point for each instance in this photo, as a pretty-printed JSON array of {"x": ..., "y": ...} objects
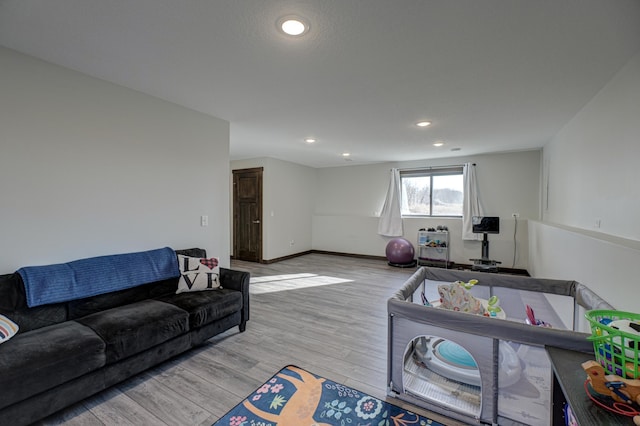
[{"x": 247, "y": 214}]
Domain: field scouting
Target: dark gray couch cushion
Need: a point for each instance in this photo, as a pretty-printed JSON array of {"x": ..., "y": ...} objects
[
  {"x": 134, "y": 328},
  {"x": 11, "y": 293},
  {"x": 14, "y": 306},
  {"x": 90, "y": 305},
  {"x": 38, "y": 360},
  {"x": 40, "y": 316},
  {"x": 193, "y": 252},
  {"x": 205, "y": 307}
]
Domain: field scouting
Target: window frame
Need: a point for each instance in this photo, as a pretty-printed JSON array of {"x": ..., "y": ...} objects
[{"x": 431, "y": 172}]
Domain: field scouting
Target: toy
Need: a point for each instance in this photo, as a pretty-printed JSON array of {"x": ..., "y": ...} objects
[
  {"x": 618, "y": 388},
  {"x": 630, "y": 345},
  {"x": 625, "y": 393},
  {"x": 425, "y": 302},
  {"x": 468, "y": 285},
  {"x": 532, "y": 320},
  {"x": 492, "y": 306},
  {"x": 456, "y": 297},
  {"x": 454, "y": 362}
]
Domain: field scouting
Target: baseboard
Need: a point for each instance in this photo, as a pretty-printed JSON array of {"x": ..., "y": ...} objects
[
  {"x": 359, "y": 256},
  {"x": 290, "y": 256},
  {"x": 334, "y": 253},
  {"x": 513, "y": 271}
]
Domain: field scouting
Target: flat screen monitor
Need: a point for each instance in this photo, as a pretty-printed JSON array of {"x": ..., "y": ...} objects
[{"x": 485, "y": 224}]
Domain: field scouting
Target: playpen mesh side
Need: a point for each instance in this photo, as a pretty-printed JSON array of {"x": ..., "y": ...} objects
[
  {"x": 407, "y": 320},
  {"x": 542, "y": 285}
]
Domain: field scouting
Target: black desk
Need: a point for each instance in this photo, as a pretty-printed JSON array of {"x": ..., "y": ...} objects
[{"x": 568, "y": 386}]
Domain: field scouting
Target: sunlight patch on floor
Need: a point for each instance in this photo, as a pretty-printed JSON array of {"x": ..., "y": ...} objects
[
  {"x": 273, "y": 283},
  {"x": 271, "y": 278}
]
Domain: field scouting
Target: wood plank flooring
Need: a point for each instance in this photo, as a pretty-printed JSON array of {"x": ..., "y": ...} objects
[{"x": 323, "y": 313}]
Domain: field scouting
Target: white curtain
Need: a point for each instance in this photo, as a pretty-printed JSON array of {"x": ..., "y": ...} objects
[
  {"x": 470, "y": 203},
  {"x": 390, "y": 223}
]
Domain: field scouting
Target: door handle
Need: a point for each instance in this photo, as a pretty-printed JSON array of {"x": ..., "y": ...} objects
[{"x": 256, "y": 221}]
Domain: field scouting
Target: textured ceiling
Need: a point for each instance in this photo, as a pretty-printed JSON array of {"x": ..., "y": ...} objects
[{"x": 492, "y": 75}]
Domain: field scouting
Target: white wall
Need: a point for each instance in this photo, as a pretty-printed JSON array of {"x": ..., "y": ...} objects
[
  {"x": 287, "y": 205},
  {"x": 591, "y": 167},
  {"x": 90, "y": 168},
  {"x": 337, "y": 209},
  {"x": 593, "y": 161},
  {"x": 349, "y": 200}
]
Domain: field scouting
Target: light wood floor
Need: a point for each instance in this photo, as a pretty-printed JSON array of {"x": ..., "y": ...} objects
[{"x": 323, "y": 313}]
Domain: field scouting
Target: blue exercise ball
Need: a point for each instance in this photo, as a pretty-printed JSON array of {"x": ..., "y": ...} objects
[{"x": 400, "y": 251}]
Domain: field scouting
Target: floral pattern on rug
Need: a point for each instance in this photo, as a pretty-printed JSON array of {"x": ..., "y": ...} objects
[{"x": 295, "y": 397}]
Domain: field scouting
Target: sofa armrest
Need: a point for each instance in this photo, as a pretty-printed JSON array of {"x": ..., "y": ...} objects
[{"x": 237, "y": 280}]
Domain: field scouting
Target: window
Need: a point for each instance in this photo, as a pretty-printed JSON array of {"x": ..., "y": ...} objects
[{"x": 433, "y": 191}]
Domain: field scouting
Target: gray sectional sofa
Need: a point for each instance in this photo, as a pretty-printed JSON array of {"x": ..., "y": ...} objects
[{"x": 67, "y": 351}]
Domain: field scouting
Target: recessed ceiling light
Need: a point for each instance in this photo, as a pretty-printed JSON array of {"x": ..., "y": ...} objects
[
  {"x": 423, "y": 123},
  {"x": 346, "y": 154},
  {"x": 439, "y": 143},
  {"x": 309, "y": 140},
  {"x": 293, "y": 25}
]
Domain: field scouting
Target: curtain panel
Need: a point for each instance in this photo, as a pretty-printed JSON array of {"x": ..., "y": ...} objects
[
  {"x": 390, "y": 223},
  {"x": 471, "y": 202}
]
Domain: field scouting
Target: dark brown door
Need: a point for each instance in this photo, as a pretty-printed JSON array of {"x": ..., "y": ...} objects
[{"x": 247, "y": 214}]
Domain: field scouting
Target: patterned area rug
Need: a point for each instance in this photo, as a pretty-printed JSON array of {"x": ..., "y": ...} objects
[{"x": 295, "y": 397}]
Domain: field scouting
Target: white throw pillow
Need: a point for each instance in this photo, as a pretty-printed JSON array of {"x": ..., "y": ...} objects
[{"x": 198, "y": 274}]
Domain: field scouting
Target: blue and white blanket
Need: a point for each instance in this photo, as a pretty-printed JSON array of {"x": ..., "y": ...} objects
[{"x": 97, "y": 275}]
